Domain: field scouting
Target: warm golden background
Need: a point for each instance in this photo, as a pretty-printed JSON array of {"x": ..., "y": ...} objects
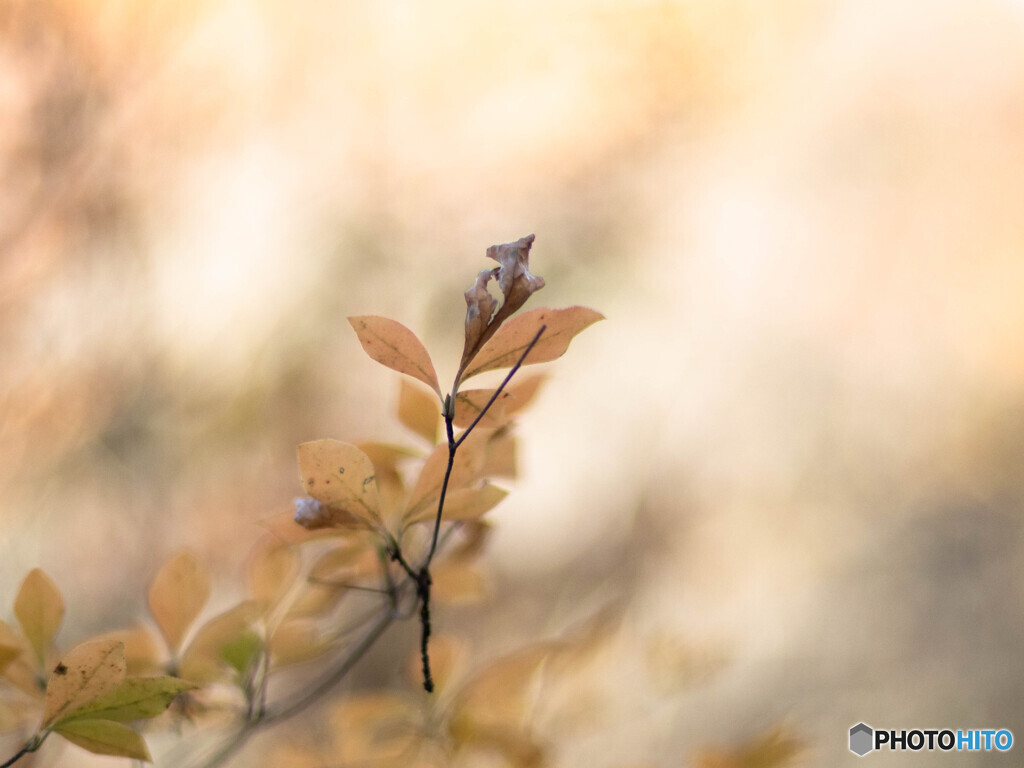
[{"x": 795, "y": 447}]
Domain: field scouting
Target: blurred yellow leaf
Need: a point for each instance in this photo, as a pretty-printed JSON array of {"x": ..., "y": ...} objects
[
  {"x": 392, "y": 344},
  {"x": 297, "y": 640},
  {"x": 457, "y": 582},
  {"x": 12, "y": 645},
  {"x": 203, "y": 660},
  {"x": 465, "y": 504},
  {"x": 40, "y": 611},
  {"x": 84, "y": 674},
  {"x": 346, "y": 563},
  {"x": 376, "y": 727},
  {"x": 177, "y": 595},
  {"x": 419, "y": 411},
  {"x": 500, "y": 459},
  {"x": 103, "y": 737},
  {"x": 775, "y": 749},
  {"x": 469, "y": 460},
  {"x": 140, "y": 649},
  {"x": 512, "y": 339},
  {"x": 497, "y": 695},
  {"x": 471, "y": 402},
  {"x": 340, "y": 475},
  {"x": 272, "y": 568}
]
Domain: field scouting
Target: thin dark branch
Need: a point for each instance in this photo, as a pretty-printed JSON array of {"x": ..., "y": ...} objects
[
  {"x": 497, "y": 392},
  {"x": 20, "y": 754}
]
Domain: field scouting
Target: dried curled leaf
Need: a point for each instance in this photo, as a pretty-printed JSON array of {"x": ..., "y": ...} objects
[
  {"x": 517, "y": 284},
  {"x": 340, "y": 475},
  {"x": 85, "y": 673},
  {"x": 39, "y": 608},
  {"x": 392, "y": 344},
  {"x": 177, "y": 595},
  {"x": 104, "y": 737},
  {"x": 508, "y": 344}
]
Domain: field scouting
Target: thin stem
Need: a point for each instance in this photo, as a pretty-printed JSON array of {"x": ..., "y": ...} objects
[
  {"x": 31, "y": 745},
  {"x": 20, "y": 754},
  {"x": 497, "y": 392}
]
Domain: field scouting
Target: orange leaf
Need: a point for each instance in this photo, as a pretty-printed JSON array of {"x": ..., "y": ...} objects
[
  {"x": 178, "y": 594},
  {"x": 204, "y": 661},
  {"x": 469, "y": 403},
  {"x": 508, "y": 344},
  {"x": 392, "y": 344},
  {"x": 418, "y": 411},
  {"x": 340, "y": 475}
]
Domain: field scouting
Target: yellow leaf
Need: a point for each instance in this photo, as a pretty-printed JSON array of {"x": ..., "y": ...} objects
[
  {"x": 465, "y": 504},
  {"x": 85, "y": 673},
  {"x": 40, "y": 611},
  {"x": 340, "y": 475},
  {"x": 512, "y": 339},
  {"x": 104, "y": 737},
  {"x": 419, "y": 411},
  {"x": 500, "y": 459},
  {"x": 177, "y": 595},
  {"x": 471, "y": 402},
  {"x": 392, "y": 344},
  {"x": 272, "y": 568},
  {"x": 203, "y": 660}
]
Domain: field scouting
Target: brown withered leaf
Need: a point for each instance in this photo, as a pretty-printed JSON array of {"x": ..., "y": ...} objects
[
  {"x": 340, "y": 475},
  {"x": 469, "y": 404},
  {"x": 509, "y": 343},
  {"x": 517, "y": 284},
  {"x": 392, "y": 344},
  {"x": 480, "y": 306},
  {"x": 418, "y": 411}
]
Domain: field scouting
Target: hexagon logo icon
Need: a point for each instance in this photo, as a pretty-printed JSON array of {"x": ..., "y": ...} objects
[{"x": 861, "y": 739}]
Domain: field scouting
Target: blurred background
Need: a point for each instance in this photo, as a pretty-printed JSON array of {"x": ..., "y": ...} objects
[{"x": 793, "y": 449}]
